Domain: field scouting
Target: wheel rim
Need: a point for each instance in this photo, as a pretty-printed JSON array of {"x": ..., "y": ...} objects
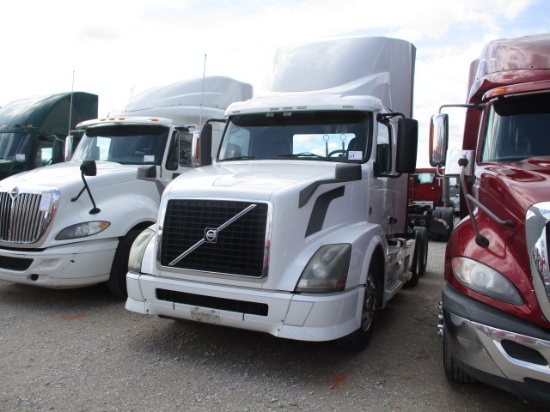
[{"x": 369, "y": 305}]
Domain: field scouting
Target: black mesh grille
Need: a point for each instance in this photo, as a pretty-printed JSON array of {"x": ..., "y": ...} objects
[{"x": 239, "y": 248}]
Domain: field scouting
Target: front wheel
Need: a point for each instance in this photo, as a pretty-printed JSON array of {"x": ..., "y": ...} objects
[
  {"x": 119, "y": 269},
  {"x": 359, "y": 339}
]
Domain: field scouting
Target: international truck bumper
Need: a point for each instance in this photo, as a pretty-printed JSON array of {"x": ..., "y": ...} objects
[
  {"x": 498, "y": 349},
  {"x": 282, "y": 314},
  {"x": 68, "y": 266}
]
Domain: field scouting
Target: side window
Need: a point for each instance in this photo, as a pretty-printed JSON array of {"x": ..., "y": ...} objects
[
  {"x": 383, "y": 149},
  {"x": 43, "y": 154},
  {"x": 236, "y": 144}
]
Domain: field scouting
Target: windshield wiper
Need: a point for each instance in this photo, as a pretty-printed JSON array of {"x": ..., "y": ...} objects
[
  {"x": 239, "y": 158},
  {"x": 303, "y": 154}
]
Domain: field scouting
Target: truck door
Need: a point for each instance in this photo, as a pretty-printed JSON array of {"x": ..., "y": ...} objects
[{"x": 383, "y": 196}]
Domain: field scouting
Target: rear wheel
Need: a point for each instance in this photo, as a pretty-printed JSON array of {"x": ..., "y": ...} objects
[
  {"x": 419, "y": 258},
  {"x": 119, "y": 269},
  {"x": 423, "y": 231}
]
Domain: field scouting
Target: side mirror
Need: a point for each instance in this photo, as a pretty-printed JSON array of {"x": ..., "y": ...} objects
[
  {"x": 68, "y": 151},
  {"x": 172, "y": 160},
  {"x": 439, "y": 139},
  {"x": 204, "y": 146},
  {"x": 58, "y": 150},
  {"x": 88, "y": 168},
  {"x": 407, "y": 145}
]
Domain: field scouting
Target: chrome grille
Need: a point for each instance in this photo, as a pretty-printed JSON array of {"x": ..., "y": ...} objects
[
  {"x": 25, "y": 216},
  {"x": 240, "y": 245},
  {"x": 537, "y": 232}
]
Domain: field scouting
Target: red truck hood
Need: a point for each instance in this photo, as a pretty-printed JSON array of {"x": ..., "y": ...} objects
[{"x": 528, "y": 182}]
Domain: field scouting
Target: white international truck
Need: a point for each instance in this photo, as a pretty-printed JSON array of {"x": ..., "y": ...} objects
[
  {"x": 298, "y": 228},
  {"x": 72, "y": 224}
]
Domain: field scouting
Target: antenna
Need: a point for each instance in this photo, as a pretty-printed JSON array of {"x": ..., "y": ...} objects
[
  {"x": 202, "y": 92},
  {"x": 71, "y": 106}
]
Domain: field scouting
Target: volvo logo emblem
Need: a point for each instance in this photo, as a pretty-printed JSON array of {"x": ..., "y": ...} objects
[
  {"x": 211, "y": 235},
  {"x": 14, "y": 192}
]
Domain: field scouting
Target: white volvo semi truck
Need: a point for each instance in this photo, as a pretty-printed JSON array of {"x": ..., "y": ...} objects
[{"x": 298, "y": 227}]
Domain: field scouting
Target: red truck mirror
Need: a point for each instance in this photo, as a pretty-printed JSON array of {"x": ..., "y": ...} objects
[{"x": 439, "y": 139}]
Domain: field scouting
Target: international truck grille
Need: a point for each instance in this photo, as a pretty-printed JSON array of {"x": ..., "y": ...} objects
[
  {"x": 24, "y": 217},
  {"x": 215, "y": 236}
]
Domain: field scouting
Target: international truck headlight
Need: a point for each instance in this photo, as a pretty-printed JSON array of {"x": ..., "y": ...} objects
[
  {"x": 82, "y": 230},
  {"x": 138, "y": 250},
  {"x": 327, "y": 270},
  {"x": 485, "y": 280}
]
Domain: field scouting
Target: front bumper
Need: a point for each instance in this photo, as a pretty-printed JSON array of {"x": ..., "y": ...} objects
[
  {"x": 282, "y": 314},
  {"x": 496, "y": 348},
  {"x": 72, "y": 265}
]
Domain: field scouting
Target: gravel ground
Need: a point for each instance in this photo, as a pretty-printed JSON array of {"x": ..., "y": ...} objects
[{"x": 80, "y": 350}]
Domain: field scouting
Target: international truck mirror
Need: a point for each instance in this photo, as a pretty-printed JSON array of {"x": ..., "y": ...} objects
[
  {"x": 58, "y": 150},
  {"x": 88, "y": 168},
  {"x": 205, "y": 145},
  {"x": 407, "y": 145},
  {"x": 439, "y": 139},
  {"x": 68, "y": 151}
]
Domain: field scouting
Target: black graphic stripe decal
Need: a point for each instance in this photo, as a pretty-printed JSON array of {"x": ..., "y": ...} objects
[{"x": 320, "y": 208}]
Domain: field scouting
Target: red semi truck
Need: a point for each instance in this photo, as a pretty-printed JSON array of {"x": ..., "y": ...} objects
[
  {"x": 430, "y": 203},
  {"x": 495, "y": 309}
]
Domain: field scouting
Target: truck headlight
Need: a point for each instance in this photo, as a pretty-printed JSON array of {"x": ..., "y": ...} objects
[
  {"x": 82, "y": 230},
  {"x": 327, "y": 270},
  {"x": 485, "y": 280},
  {"x": 138, "y": 250}
]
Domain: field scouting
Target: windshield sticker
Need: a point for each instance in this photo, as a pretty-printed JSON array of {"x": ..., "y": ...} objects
[
  {"x": 20, "y": 157},
  {"x": 149, "y": 158},
  {"x": 355, "y": 155},
  {"x": 45, "y": 202}
]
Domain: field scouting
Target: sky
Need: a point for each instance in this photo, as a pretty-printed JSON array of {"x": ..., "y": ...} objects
[{"x": 117, "y": 49}]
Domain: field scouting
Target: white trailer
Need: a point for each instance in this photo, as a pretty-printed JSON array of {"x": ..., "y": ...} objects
[
  {"x": 298, "y": 228},
  {"x": 72, "y": 224}
]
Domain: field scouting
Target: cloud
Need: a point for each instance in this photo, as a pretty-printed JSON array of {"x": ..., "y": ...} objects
[{"x": 117, "y": 49}]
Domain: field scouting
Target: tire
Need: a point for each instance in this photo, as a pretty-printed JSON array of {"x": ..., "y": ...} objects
[
  {"x": 447, "y": 215},
  {"x": 418, "y": 265},
  {"x": 360, "y": 339},
  {"x": 119, "y": 269},
  {"x": 453, "y": 372},
  {"x": 424, "y": 241}
]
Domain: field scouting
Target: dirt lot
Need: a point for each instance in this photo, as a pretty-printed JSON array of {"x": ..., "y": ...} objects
[{"x": 80, "y": 350}]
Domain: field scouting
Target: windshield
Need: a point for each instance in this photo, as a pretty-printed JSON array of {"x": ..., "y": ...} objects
[
  {"x": 424, "y": 178},
  {"x": 135, "y": 145},
  {"x": 517, "y": 128},
  {"x": 15, "y": 146},
  {"x": 327, "y": 136}
]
